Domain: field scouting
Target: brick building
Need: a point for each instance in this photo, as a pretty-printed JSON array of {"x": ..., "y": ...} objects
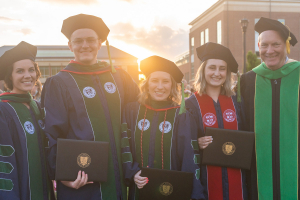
[
  {"x": 51, "y": 59},
  {"x": 220, "y": 24},
  {"x": 183, "y": 62}
]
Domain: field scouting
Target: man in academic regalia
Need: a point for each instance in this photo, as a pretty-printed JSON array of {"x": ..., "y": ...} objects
[
  {"x": 271, "y": 95},
  {"x": 85, "y": 101}
]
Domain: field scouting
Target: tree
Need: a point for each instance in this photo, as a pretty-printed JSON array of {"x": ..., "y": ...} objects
[{"x": 252, "y": 61}]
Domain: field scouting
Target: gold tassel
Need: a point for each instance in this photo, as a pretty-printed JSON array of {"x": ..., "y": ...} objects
[
  {"x": 239, "y": 98},
  {"x": 288, "y": 45},
  {"x": 287, "y": 42},
  {"x": 113, "y": 70},
  {"x": 182, "y": 106}
]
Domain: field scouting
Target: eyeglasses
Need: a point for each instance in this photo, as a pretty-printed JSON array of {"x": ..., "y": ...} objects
[{"x": 80, "y": 41}]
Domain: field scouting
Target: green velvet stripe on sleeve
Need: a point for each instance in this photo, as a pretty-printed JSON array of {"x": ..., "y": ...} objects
[
  {"x": 197, "y": 158},
  {"x": 6, "y": 150},
  {"x": 6, "y": 184},
  {"x": 126, "y": 157},
  {"x": 195, "y": 144},
  {"x": 123, "y": 127},
  {"x": 197, "y": 174},
  {"x": 124, "y": 142},
  {"x": 5, "y": 167}
]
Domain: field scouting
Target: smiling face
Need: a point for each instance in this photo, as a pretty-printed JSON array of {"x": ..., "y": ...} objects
[
  {"x": 159, "y": 85},
  {"x": 272, "y": 49},
  {"x": 215, "y": 73},
  {"x": 23, "y": 76},
  {"x": 84, "y": 43}
]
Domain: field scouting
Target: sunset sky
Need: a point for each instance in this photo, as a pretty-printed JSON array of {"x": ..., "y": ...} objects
[{"x": 139, "y": 27}]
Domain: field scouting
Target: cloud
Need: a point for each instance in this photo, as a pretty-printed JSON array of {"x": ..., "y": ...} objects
[
  {"x": 25, "y": 31},
  {"x": 86, "y": 2},
  {"x": 7, "y": 19},
  {"x": 162, "y": 40}
]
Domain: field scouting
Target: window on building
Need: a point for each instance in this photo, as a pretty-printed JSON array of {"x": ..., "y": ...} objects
[
  {"x": 192, "y": 45},
  {"x": 192, "y": 55},
  {"x": 282, "y": 21},
  {"x": 192, "y": 71},
  {"x": 45, "y": 72},
  {"x": 206, "y": 35},
  {"x": 187, "y": 77},
  {"x": 202, "y": 38},
  {"x": 142, "y": 77},
  {"x": 219, "y": 32},
  {"x": 125, "y": 68},
  {"x": 256, "y": 39},
  {"x": 55, "y": 70},
  {"x": 192, "y": 42}
]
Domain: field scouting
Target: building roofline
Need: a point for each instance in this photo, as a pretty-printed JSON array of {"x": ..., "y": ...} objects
[
  {"x": 206, "y": 12},
  {"x": 115, "y": 52},
  {"x": 218, "y": 3}
]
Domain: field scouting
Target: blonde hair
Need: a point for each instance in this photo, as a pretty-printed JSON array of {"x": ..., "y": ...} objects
[
  {"x": 39, "y": 88},
  {"x": 175, "y": 94},
  {"x": 200, "y": 82}
]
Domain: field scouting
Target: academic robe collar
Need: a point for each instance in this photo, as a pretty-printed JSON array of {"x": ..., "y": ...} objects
[
  {"x": 19, "y": 98},
  {"x": 286, "y": 69},
  {"x": 78, "y": 68},
  {"x": 160, "y": 105}
]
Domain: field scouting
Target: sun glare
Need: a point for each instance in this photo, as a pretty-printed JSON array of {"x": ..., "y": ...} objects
[
  {"x": 142, "y": 77},
  {"x": 137, "y": 51}
]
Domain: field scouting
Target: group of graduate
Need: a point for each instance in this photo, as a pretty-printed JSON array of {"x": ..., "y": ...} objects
[{"x": 151, "y": 125}]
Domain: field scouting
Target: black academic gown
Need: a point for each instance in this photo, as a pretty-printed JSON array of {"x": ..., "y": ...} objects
[
  {"x": 73, "y": 114},
  {"x": 248, "y": 94}
]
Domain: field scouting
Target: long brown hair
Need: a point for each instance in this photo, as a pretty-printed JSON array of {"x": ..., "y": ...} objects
[
  {"x": 175, "y": 95},
  {"x": 200, "y": 82}
]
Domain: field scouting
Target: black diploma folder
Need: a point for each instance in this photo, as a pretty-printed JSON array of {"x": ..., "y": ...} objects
[
  {"x": 88, "y": 156},
  {"x": 230, "y": 148},
  {"x": 166, "y": 185}
]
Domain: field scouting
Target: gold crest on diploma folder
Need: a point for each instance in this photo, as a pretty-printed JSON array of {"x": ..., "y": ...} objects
[
  {"x": 84, "y": 160},
  {"x": 228, "y": 148},
  {"x": 166, "y": 188}
]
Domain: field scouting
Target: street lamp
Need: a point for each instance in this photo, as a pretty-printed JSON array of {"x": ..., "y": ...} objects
[{"x": 244, "y": 23}]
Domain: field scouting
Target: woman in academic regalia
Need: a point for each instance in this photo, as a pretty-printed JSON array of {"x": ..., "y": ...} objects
[
  {"x": 36, "y": 91},
  {"x": 23, "y": 168},
  {"x": 162, "y": 134},
  {"x": 215, "y": 105}
]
